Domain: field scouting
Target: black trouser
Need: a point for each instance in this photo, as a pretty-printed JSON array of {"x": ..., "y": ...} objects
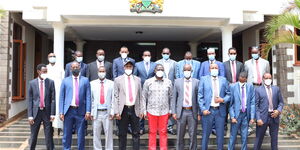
[
  {"x": 48, "y": 130},
  {"x": 129, "y": 117}
]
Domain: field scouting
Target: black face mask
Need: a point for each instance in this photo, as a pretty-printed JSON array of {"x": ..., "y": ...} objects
[{"x": 76, "y": 72}]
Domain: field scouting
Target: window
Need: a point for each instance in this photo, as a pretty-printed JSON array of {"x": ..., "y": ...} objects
[
  {"x": 297, "y": 50},
  {"x": 18, "y": 62}
]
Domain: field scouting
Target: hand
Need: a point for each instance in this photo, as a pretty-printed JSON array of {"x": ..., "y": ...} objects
[
  {"x": 260, "y": 122},
  {"x": 233, "y": 120},
  {"x": 146, "y": 117},
  {"x": 92, "y": 117},
  {"x": 52, "y": 118},
  {"x": 31, "y": 121},
  {"x": 206, "y": 112},
  {"x": 174, "y": 116},
  {"x": 142, "y": 116},
  {"x": 199, "y": 117},
  {"x": 87, "y": 116},
  {"x": 118, "y": 117},
  {"x": 62, "y": 117},
  {"x": 219, "y": 100},
  {"x": 111, "y": 117},
  {"x": 251, "y": 121},
  {"x": 275, "y": 114}
]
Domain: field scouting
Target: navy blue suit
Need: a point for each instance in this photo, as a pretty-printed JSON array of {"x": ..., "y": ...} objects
[
  {"x": 140, "y": 71},
  {"x": 74, "y": 115},
  {"x": 118, "y": 66},
  {"x": 217, "y": 115},
  {"x": 242, "y": 118},
  {"x": 204, "y": 70},
  {"x": 83, "y": 69},
  {"x": 262, "y": 113},
  {"x": 195, "y": 67}
]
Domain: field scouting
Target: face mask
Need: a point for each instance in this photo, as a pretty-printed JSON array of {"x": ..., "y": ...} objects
[
  {"x": 187, "y": 74},
  {"x": 79, "y": 59},
  {"x": 159, "y": 74},
  {"x": 211, "y": 57},
  {"x": 128, "y": 72},
  {"x": 101, "y": 58},
  {"x": 214, "y": 72},
  {"x": 101, "y": 75},
  {"x": 147, "y": 59},
  {"x": 166, "y": 56},
  {"x": 76, "y": 72},
  {"x": 232, "y": 57},
  {"x": 124, "y": 55},
  {"x": 255, "y": 56},
  {"x": 268, "y": 82},
  {"x": 52, "y": 60},
  {"x": 44, "y": 76}
]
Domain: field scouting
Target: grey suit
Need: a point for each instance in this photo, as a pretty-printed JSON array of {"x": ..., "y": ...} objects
[
  {"x": 172, "y": 66},
  {"x": 41, "y": 115},
  {"x": 228, "y": 71},
  {"x": 264, "y": 67},
  {"x": 184, "y": 116},
  {"x": 92, "y": 70}
]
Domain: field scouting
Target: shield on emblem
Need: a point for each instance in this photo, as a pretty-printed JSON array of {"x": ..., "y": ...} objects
[{"x": 146, "y": 3}]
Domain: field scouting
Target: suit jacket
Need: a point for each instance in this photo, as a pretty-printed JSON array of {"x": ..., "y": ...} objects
[
  {"x": 196, "y": 67},
  {"x": 205, "y": 93},
  {"x": 92, "y": 70},
  {"x": 120, "y": 95},
  {"x": 178, "y": 97},
  {"x": 236, "y": 101},
  {"x": 83, "y": 69},
  {"x": 108, "y": 96},
  {"x": 66, "y": 95},
  {"x": 118, "y": 66},
  {"x": 264, "y": 64},
  {"x": 33, "y": 97},
  {"x": 140, "y": 71},
  {"x": 172, "y": 70},
  {"x": 262, "y": 102},
  {"x": 204, "y": 70},
  {"x": 228, "y": 71}
]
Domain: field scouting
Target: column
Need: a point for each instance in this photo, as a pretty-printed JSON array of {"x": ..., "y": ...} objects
[
  {"x": 58, "y": 42},
  {"x": 193, "y": 48},
  {"x": 79, "y": 45},
  {"x": 226, "y": 40}
]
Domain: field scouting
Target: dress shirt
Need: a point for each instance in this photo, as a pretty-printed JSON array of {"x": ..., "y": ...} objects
[
  {"x": 157, "y": 94},
  {"x": 43, "y": 87},
  {"x": 99, "y": 63},
  {"x": 96, "y": 90},
  {"x": 267, "y": 91},
  {"x": 166, "y": 64},
  {"x": 189, "y": 83},
  {"x": 233, "y": 71},
  {"x": 55, "y": 73},
  {"x": 245, "y": 90},
  {"x": 128, "y": 103},
  {"x": 73, "y": 103},
  {"x": 147, "y": 67},
  {"x": 213, "y": 91}
]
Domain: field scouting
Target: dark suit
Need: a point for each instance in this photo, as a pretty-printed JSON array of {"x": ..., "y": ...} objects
[
  {"x": 262, "y": 113},
  {"x": 118, "y": 66},
  {"x": 41, "y": 115},
  {"x": 185, "y": 117},
  {"x": 92, "y": 70},
  {"x": 228, "y": 71},
  {"x": 83, "y": 69}
]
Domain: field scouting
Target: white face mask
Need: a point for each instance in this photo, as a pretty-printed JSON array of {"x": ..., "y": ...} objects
[
  {"x": 52, "y": 60},
  {"x": 101, "y": 75},
  {"x": 128, "y": 72},
  {"x": 101, "y": 58},
  {"x": 187, "y": 74},
  {"x": 147, "y": 59},
  {"x": 160, "y": 74},
  {"x": 268, "y": 82},
  {"x": 79, "y": 59},
  {"x": 124, "y": 55},
  {"x": 214, "y": 72},
  {"x": 44, "y": 76}
]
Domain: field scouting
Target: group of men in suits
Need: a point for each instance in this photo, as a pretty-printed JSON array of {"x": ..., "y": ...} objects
[{"x": 133, "y": 92}]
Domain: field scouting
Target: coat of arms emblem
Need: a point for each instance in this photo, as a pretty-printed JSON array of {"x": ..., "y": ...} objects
[{"x": 154, "y": 6}]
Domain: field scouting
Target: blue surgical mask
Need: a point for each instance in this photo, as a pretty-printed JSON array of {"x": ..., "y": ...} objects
[
  {"x": 214, "y": 72},
  {"x": 232, "y": 57},
  {"x": 79, "y": 59},
  {"x": 211, "y": 57},
  {"x": 255, "y": 56},
  {"x": 166, "y": 56}
]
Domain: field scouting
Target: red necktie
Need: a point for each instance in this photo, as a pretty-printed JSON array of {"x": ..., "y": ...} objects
[
  {"x": 102, "y": 93},
  {"x": 187, "y": 93},
  {"x": 258, "y": 73},
  {"x": 130, "y": 90},
  {"x": 233, "y": 72},
  {"x": 42, "y": 103}
]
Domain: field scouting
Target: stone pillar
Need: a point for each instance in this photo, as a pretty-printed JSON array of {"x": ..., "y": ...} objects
[
  {"x": 79, "y": 45},
  {"x": 193, "y": 48},
  {"x": 226, "y": 40},
  {"x": 58, "y": 42}
]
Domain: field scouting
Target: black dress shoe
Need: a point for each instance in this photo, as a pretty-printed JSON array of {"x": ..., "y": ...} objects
[
  {"x": 214, "y": 132},
  {"x": 171, "y": 131},
  {"x": 142, "y": 132}
]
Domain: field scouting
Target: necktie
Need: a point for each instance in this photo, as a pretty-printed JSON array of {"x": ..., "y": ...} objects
[
  {"x": 42, "y": 102},
  {"x": 102, "y": 93},
  {"x": 147, "y": 67},
  {"x": 216, "y": 91},
  {"x": 258, "y": 73},
  {"x": 130, "y": 90},
  {"x": 76, "y": 92},
  {"x": 270, "y": 98},
  {"x": 243, "y": 99},
  {"x": 187, "y": 93},
  {"x": 233, "y": 72}
]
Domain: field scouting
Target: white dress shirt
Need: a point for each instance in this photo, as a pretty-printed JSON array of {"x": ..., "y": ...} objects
[
  {"x": 213, "y": 91},
  {"x": 99, "y": 63},
  {"x": 267, "y": 91},
  {"x": 189, "y": 83},
  {"x": 166, "y": 64},
  {"x": 128, "y": 103},
  {"x": 73, "y": 103},
  {"x": 147, "y": 67},
  {"x": 96, "y": 94},
  {"x": 233, "y": 71},
  {"x": 245, "y": 90}
]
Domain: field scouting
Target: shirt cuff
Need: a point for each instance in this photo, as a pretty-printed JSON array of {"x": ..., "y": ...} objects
[{"x": 30, "y": 118}]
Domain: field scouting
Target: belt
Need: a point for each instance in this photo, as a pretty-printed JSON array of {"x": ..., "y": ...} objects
[
  {"x": 214, "y": 107},
  {"x": 257, "y": 84},
  {"x": 129, "y": 107},
  {"x": 187, "y": 108},
  {"x": 74, "y": 107},
  {"x": 242, "y": 111},
  {"x": 102, "y": 109}
]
